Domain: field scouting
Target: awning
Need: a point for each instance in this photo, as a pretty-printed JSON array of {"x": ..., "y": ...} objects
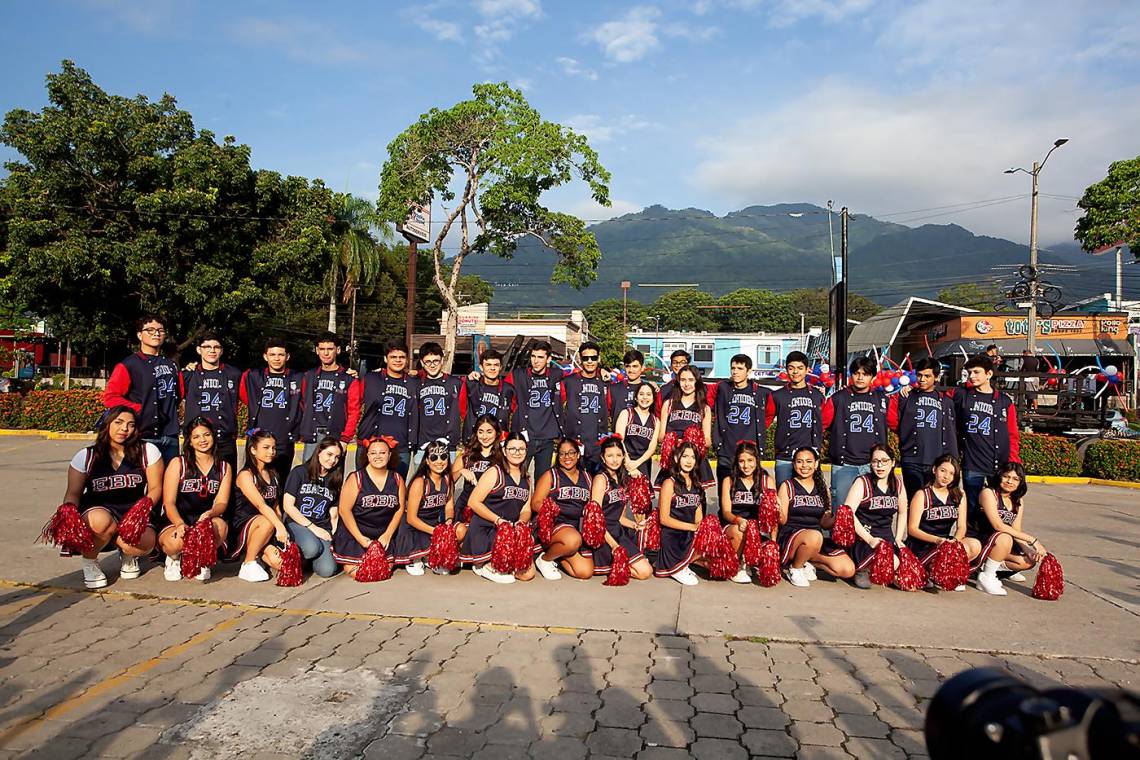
[
  {"x": 883, "y": 328},
  {"x": 1046, "y": 346}
]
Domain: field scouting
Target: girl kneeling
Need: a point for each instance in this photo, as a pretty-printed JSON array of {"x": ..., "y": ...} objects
[
  {"x": 805, "y": 513},
  {"x": 621, "y": 529},
  {"x": 196, "y": 488},
  {"x": 312, "y": 492},
  {"x": 569, "y": 486},
  {"x": 682, "y": 509},
  {"x": 938, "y": 514},
  {"x": 740, "y": 499},
  {"x": 256, "y": 520},
  {"x": 879, "y": 503},
  {"x": 1004, "y": 545},
  {"x": 371, "y": 505},
  {"x": 429, "y": 504}
]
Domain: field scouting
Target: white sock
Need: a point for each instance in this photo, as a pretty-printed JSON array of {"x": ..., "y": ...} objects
[{"x": 991, "y": 567}]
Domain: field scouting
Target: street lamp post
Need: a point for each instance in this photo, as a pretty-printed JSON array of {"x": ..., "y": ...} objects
[{"x": 1031, "y": 322}]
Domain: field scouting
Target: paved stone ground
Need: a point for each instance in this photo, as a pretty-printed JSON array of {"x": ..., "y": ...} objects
[{"x": 109, "y": 675}]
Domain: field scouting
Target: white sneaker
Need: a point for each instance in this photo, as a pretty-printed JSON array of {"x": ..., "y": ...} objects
[
  {"x": 991, "y": 584},
  {"x": 130, "y": 568},
  {"x": 204, "y": 574},
  {"x": 173, "y": 569},
  {"x": 253, "y": 572},
  {"x": 742, "y": 576},
  {"x": 1017, "y": 577},
  {"x": 93, "y": 576},
  {"x": 489, "y": 573},
  {"x": 797, "y": 577},
  {"x": 809, "y": 571},
  {"x": 415, "y": 568},
  {"x": 548, "y": 569},
  {"x": 960, "y": 588},
  {"x": 686, "y": 577},
  {"x": 441, "y": 571}
]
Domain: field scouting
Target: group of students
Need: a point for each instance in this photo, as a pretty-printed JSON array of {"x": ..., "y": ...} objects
[{"x": 587, "y": 432}]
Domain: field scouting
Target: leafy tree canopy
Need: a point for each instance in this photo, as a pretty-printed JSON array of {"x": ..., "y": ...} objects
[
  {"x": 1112, "y": 209},
  {"x": 970, "y": 295}
]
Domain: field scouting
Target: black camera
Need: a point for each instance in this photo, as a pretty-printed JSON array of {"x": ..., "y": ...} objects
[{"x": 986, "y": 713}]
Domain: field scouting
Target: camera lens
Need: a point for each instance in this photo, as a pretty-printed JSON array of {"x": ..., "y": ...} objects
[{"x": 974, "y": 715}]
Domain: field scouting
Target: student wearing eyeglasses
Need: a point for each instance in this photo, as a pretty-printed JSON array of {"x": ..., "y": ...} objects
[
  {"x": 585, "y": 408},
  {"x": 502, "y": 495},
  {"x": 147, "y": 382},
  {"x": 437, "y": 406},
  {"x": 212, "y": 389},
  {"x": 878, "y": 500}
]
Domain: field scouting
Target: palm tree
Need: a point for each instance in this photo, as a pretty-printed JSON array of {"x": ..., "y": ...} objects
[{"x": 357, "y": 257}]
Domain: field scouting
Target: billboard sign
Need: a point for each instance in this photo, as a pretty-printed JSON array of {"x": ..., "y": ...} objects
[{"x": 417, "y": 227}]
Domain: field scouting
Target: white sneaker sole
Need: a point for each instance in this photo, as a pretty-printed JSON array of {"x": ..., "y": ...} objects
[
  {"x": 97, "y": 583},
  {"x": 129, "y": 575}
]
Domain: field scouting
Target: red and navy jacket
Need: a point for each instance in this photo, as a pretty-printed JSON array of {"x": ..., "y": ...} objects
[
  {"x": 149, "y": 385},
  {"x": 438, "y": 410},
  {"x": 739, "y": 414},
  {"x": 856, "y": 422},
  {"x": 382, "y": 404},
  {"x": 273, "y": 400},
  {"x": 925, "y": 423},
  {"x": 535, "y": 402},
  {"x": 585, "y": 408},
  {"x": 477, "y": 398},
  {"x": 798, "y": 413},
  {"x": 324, "y": 403},
  {"x": 213, "y": 394},
  {"x": 987, "y": 429}
]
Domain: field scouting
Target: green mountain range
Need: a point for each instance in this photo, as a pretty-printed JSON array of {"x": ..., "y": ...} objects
[{"x": 780, "y": 247}]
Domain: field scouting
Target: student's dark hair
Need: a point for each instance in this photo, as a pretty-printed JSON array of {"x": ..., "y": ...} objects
[
  {"x": 633, "y": 355},
  {"x": 542, "y": 345},
  {"x": 929, "y": 363},
  {"x": 698, "y": 389},
  {"x": 335, "y": 478},
  {"x": 431, "y": 348},
  {"x": 675, "y": 471},
  {"x": 892, "y": 480},
  {"x": 435, "y": 447},
  {"x": 567, "y": 440},
  {"x": 749, "y": 447},
  {"x": 744, "y": 359},
  {"x": 473, "y": 448},
  {"x": 619, "y": 477},
  {"x": 133, "y": 447},
  {"x": 796, "y": 356},
  {"x": 821, "y": 487},
  {"x": 327, "y": 337},
  {"x": 589, "y": 345},
  {"x": 637, "y": 391},
  {"x": 252, "y": 439},
  {"x": 490, "y": 353},
  {"x": 275, "y": 343},
  {"x": 515, "y": 435},
  {"x": 680, "y": 352},
  {"x": 864, "y": 363},
  {"x": 955, "y": 487},
  {"x": 188, "y": 451},
  {"x": 992, "y": 347},
  {"x": 206, "y": 335},
  {"x": 150, "y": 316},
  {"x": 1019, "y": 493},
  {"x": 395, "y": 345},
  {"x": 981, "y": 360}
]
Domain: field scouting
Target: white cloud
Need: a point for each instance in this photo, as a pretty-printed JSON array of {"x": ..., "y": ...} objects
[
  {"x": 149, "y": 17},
  {"x": 571, "y": 67},
  {"x": 597, "y": 130},
  {"x": 517, "y": 8},
  {"x": 690, "y": 32},
  {"x": 784, "y": 13},
  {"x": 298, "y": 38},
  {"x": 444, "y": 31},
  {"x": 629, "y": 38},
  {"x": 501, "y": 20}
]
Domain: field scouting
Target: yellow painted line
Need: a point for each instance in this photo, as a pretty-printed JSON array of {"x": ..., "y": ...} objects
[
  {"x": 429, "y": 621},
  {"x": 563, "y": 630},
  {"x": 1057, "y": 480},
  {"x": 1116, "y": 483},
  {"x": 123, "y": 676},
  {"x": 461, "y": 624}
]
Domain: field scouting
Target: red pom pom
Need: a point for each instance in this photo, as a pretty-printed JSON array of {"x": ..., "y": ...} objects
[
  {"x": 668, "y": 443},
  {"x": 843, "y": 531},
  {"x": 199, "y": 548},
  {"x": 708, "y": 535},
  {"x": 375, "y": 564},
  {"x": 768, "y": 568},
  {"x": 711, "y": 543},
  {"x": 67, "y": 530},
  {"x": 752, "y": 544},
  {"x": 593, "y": 524},
  {"x": 468, "y": 513},
  {"x": 651, "y": 533},
  {"x": 444, "y": 549},
  {"x": 911, "y": 574},
  {"x": 136, "y": 521},
  {"x": 769, "y": 513},
  {"x": 290, "y": 572},
  {"x": 883, "y": 564},
  {"x": 523, "y": 548},
  {"x": 503, "y": 549},
  {"x": 547, "y": 517},
  {"x": 640, "y": 495},
  {"x": 950, "y": 567},
  {"x": 1050, "y": 583},
  {"x": 695, "y": 436},
  {"x": 619, "y": 568}
]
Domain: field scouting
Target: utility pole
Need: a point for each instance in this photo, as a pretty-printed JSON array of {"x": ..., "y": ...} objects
[
  {"x": 624, "y": 301},
  {"x": 410, "y": 308},
  {"x": 67, "y": 368},
  {"x": 352, "y": 332},
  {"x": 839, "y": 306}
]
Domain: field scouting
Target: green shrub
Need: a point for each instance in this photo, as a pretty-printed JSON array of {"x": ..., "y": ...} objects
[
  {"x": 10, "y": 406},
  {"x": 1049, "y": 455},
  {"x": 1113, "y": 460},
  {"x": 61, "y": 411}
]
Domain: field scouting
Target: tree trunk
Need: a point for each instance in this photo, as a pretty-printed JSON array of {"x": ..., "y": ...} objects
[
  {"x": 449, "y": 329},
  {"x": 332, "y": 304}
]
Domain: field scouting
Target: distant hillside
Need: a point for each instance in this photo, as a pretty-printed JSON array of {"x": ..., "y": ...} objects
[{"x": 779, "y": 247}]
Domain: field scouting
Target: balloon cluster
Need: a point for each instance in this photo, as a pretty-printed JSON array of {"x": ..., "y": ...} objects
[
  {"x": 893, "y": 380},
  {"x": 1110, "y": 374}
]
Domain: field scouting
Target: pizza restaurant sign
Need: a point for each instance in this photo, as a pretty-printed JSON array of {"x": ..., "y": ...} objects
[{"x": 1061, "y": 326}]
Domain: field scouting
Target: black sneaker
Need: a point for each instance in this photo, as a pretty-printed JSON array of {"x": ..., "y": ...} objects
[{"x": 863, "y": 579}]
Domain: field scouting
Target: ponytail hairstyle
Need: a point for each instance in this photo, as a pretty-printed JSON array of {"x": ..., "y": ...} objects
[
  {"x": 619, "y": 478},
  {"x": 821, "y": 488},
  {"x": 955, "y": 487},
  {"x": 424, "y": 470},
  {"x": 892, "y": 481},
  {"x": 749, "y": 447},
  {"x": 189, "y": 453},
  {"x": 1019, "y": 493},
  {"x": 262, "y": 479},
  {"x": 473, "y": 448}
]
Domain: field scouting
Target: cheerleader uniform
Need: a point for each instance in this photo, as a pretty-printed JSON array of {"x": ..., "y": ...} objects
[
  {"x": 939, "y": 518},
  {"x": 986, "y": 534},
  {"x": 244, "y": 512},
  {"x": 479, "y": 465},
  {"x": 412, "y": 543},
  {"x": 877, "y": 512},
  {"x": 373, "y": 510},
  {"x": 506, "y": 500},
  {"x": 115, "y": 489},
  {"x": 677, "y": 545},
  {"x": 638, "y": 434},
  {"x": 571, "y": 497},
  {"x": 681, "y": 419},
  {"x": 744, "y": 503},
  {"x": 196, "y": 493},
  {"x": 805, "y": 510},
  {"x": 613, "y": 507}
]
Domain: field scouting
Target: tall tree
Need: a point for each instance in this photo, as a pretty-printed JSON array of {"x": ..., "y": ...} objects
[
  {"x": 971, "y": 295},
  {"x": 605, "y": 321},
  {"x": 357, "y": 260},
  {"x": 763, "y": 311},
  {"x": 1112, "y": 209},
  {"x": 681, "y": 310},
  {"x": 504, "y": 156}
]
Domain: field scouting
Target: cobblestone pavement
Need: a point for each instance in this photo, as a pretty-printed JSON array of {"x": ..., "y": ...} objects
[{"x": 111, "y": 675}]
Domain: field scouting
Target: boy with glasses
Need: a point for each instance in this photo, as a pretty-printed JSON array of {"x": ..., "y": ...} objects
[
  {"x": 585, "y": 405},
  {"x": 212, "y": 390},
  {"x": 437, "y": 407},
  {"x": 147, "y": 382},
  {"x": 677, "y": 360},
  {"x": 324, "y": 397}
]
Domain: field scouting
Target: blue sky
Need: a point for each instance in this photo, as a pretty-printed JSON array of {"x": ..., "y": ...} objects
[{"x": 887, "y": 107}]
